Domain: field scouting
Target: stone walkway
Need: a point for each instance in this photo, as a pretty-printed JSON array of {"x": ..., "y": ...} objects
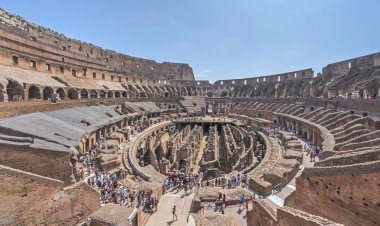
[
  {"x": 238, "y": 213},
  {"x": 164, "y": 214},
  {"x": 277, "y": 200}
]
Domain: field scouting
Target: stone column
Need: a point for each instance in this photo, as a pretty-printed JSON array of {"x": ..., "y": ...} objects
[
  {"x": 5, "y": 95},
  {"x": 26, "y": 95}
]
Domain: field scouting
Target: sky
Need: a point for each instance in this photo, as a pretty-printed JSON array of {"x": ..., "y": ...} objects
[{"x": 219, "y": 39}]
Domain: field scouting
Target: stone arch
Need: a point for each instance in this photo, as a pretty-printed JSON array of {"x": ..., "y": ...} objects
[
  {"x": 130, "y": 121},
  {"x": 360, "y": 91},
  {"x": 189, "y": 93},
  {"x": 124, "y": 94},
  {"x": 110, "y": 94},
  {"x": 61, "y": 93},
  {"x": 93, "y": 94},
  {"x": 373, "y": 87},
  {"x": 183, "y": 91},
  {"x": 2, "y": 97},
  {"x": 210, "y": 92},
  {"x": 117, "y": 94},
  {"x": 131, "y": 94},
  {"x": 102, "y": 94},
  {"x": 34, "y": 93},
  {"x": 84, "y": 94},
  {"x": 72, "y": 94},
  {"x": 14, "y": 91},
  {"x": 47, "y": 93}
]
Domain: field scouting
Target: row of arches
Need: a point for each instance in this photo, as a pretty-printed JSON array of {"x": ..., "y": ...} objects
[
  {"x": 275, "y": 90},
  {"x": 14, "y": 91}
]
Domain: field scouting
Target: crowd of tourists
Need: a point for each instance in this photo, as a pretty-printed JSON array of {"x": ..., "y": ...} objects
[
  {"x": 357, "y": 96},
  {"x": 197, "y": 119},
  {"x": 311, "y": 150},
  {"x": 111, "y": 191},
  {"x": 140, "y": 126},
  {"x": 89, "y": 159},
  {"x": 227, "y": 182},
  {"x": 179, "y": 180},
  {"x": 16, "y": 98},
  {"x": 222, "y": 202}
]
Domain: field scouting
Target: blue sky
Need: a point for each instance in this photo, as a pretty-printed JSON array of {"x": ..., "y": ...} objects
[{"x": 220, "y": 39}]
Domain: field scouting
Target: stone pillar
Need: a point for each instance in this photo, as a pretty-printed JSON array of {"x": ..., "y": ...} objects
[
  {"x": 5, "y": 95},
  {"x": 26, "y": 95},
  {"x": 41, "y": 94}
]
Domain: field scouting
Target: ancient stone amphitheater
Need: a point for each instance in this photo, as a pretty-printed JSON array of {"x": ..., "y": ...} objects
[{"x": 61, "y": 99}]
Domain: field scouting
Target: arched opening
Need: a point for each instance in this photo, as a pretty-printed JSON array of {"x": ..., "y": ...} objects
[
  {"x": 129, "y": 121},
  {"x": 72, "y": 94},
  {"x": 166, "y": 94},
  {"x": 124, "y": 94},
  {"x": 34, "y": 93},
  {"x": 210, "y": 92},
  {"x": 61, "y": 93},
  {"x": 117, "y": 94},
  {"x": 183, "y": 91},
  {"x": 199, "y": 91},
  {"x": 110, "y": 94},
  {"x": 102, "y": 94},
  {"x": 2, "y": 99},
  {"x": 14, "y": 91},
  {"x": 361, "y": 92},
  {"x": 47, "y": 93},
  {"x": 132, "y": 94},
  {"x": 84, "y": 94},
  {"x": 93, "y": 94}
]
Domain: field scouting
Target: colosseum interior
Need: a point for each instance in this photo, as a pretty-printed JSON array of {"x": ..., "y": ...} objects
[{"x": 80, "y": 124}]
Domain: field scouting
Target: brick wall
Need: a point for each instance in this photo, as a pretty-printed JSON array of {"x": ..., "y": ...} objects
[
  {"x": 346, "y": 194},
  {"x": 38, "y": 161}
]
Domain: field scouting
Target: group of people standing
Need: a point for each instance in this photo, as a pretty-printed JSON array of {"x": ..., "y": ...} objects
[
  {"x": 180, "y": 180},
  {"x": 230, "y": 181},
  {"x": 111, "y": 191},
  {"x": 312, "y": 151},
  {"x": 88, "y": 159}
]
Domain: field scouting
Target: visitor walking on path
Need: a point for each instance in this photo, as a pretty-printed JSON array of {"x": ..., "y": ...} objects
[
  {"x": 174, "y": 214},
  {"x": 242, "y": 198}
]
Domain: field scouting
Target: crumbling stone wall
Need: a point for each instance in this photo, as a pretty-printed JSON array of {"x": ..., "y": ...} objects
[
  {"x": 53, "y": 164},
  {"x": 345, "y": 194},
  {"x": 264, "y": 215},
  {"x": 46, "y": 44},
  {"x": 30, "y": 199}
]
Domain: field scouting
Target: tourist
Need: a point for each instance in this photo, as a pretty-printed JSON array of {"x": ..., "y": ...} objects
[
  {"x": 224, "y": 200},
  {"x": 156, "y": 202},
  {"x": 241, "y": 198},
  {"x": 174, "y": 213}
]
